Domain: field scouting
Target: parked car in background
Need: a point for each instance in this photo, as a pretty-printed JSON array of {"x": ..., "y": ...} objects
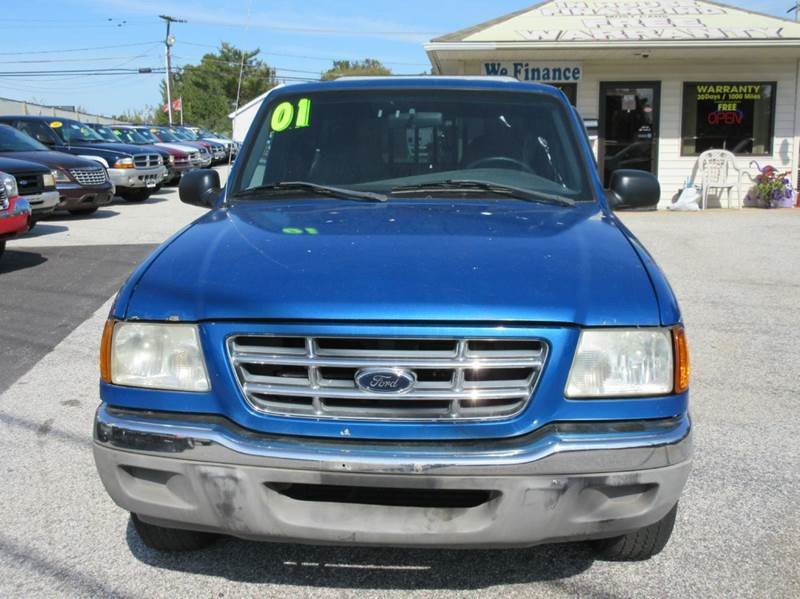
[
  {"x": 199, "y": 155},
  {"x": 165, "y": 136},
  {"x": 217, "y": 149},
  {"x": 231, "y": 147},
  {"x": 108, "y": 135},
  {"x": 15, "y": 212},
  {"x": 35, "y": 183},
  {"x": 182, "y": 159},
  {"x": 82, "y": 185},
  {"x": 134, "y": 172}
]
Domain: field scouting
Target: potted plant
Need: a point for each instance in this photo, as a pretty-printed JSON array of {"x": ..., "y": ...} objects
[{"x": 773, "y": 189}]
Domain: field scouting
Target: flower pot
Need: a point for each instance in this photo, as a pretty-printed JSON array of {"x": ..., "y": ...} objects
[{"x": 783, "y": 202}]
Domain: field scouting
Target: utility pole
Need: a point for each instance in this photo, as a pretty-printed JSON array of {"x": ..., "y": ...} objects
[{"x": 168, "y": 43}]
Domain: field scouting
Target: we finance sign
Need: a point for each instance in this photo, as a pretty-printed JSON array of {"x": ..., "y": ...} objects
[{"x": 551, "y": 72}]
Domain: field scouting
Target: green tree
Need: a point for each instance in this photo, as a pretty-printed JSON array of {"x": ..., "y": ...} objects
[
  {"x": 209, "y": 89},
  {"x": 361, "y": 68},
  {"x": 138, "y": 117}
]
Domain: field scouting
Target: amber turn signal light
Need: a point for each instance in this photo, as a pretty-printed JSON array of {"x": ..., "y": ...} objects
[
  {"x": 683, "y": 368},
  {"x": 105, "y": 351}
]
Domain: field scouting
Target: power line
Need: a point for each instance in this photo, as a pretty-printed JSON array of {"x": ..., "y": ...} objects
[
  {"x": 79, "y": 49},
  {"x": 60, "y": 60},
  {"x": 311, "y": 57}
]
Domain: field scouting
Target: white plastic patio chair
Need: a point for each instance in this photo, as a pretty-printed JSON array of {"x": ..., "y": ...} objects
[{"x": 718, "y": 172}]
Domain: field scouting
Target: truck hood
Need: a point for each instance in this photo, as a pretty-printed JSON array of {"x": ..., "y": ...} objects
[
  {"x": 52, "y": 159},
  {"x": 179, "y": 147},
  {"x": 427, "y": 260},
  {"x": 13, "y": 166},
  {"x": 108, "y": 148}
]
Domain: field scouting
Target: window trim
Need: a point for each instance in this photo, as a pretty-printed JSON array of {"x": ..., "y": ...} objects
[{"x": 773, "y": 104}]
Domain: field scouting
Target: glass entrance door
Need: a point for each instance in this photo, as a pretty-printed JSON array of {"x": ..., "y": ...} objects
[{"x": 628, "y": 127}]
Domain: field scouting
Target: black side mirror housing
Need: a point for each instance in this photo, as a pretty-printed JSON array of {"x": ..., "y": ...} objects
[
  {"x": 200, "y": 187},
  {"x": 631, "y": 188}
]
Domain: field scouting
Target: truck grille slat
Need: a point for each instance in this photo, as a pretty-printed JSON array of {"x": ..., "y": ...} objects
[
  {"x": 89, "y": 176},
  {"x": 147, "y": 160},
  {"x": 456, "y": 379}
]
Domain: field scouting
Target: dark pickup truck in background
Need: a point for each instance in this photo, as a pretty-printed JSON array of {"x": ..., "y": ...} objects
[
  {"x": 82, "y": 184},
  {"x": 134, "y": 172},
  {"x": 35, "y": 183}
]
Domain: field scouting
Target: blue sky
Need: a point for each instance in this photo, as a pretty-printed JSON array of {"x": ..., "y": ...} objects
[{"x": 300, "y": 38}]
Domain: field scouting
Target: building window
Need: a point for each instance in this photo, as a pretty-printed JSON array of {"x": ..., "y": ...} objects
[{"x": 738, "y": 117}]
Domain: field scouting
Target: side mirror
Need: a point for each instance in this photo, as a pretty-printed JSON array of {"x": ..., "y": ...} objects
[
  {"x": 633, "y": 189},
  {"x": 200, "y": 187}
]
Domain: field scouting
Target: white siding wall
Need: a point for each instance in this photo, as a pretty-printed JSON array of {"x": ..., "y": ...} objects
[
  {"x": 243, "y": 120},
  {"x": 672, "y": 167}
]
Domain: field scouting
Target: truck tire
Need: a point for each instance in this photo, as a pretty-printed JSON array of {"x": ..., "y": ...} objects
[
  {"x": 171, "y": 539},
  {"x": 639, "y": 545},
  {"x": 135, "y": 195},
  {"x": 83, "y": 211},
  {"x": 2, "y": 247}
]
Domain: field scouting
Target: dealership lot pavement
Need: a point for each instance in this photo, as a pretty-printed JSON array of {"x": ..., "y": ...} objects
[{"x": 737, "y": 275}]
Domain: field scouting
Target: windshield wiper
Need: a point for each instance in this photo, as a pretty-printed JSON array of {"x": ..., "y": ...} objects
[
  {"x": 334, "y": 192},
  {"x": 529, "y": 195}
]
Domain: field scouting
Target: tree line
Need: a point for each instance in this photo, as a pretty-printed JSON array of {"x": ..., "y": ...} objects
[{"x": 209, "y": 90}]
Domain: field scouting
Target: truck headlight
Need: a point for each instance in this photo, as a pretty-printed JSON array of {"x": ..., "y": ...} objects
[
  {"x": 60, "y": 176},
  {"x": 152, "y": 355},
  {"x": 124, "y": 163},
  {"x": 629, "y": 363},
  {"x": 10, "y": 183},
  {"x": 48, "y": 180}
]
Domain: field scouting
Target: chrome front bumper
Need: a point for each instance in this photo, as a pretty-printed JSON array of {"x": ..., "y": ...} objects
[
  {"x": 44, "y": 202},
  {"x": 567, "y": 481},
  {"x": 136, "y": 177}
]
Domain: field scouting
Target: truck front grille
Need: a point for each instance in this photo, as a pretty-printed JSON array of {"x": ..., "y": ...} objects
[
  {"x": 89, "y": 176},
  {"x": 455, "y": 379},
  {"x": 147, "y": 160},
  {"x": 29, "y": 183}
]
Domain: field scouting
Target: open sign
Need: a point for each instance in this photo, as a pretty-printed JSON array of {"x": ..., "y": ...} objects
[{"x": 726, "y": 117}]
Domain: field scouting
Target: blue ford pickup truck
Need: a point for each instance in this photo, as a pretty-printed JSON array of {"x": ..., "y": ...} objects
[{"x": 411, "y": 318}]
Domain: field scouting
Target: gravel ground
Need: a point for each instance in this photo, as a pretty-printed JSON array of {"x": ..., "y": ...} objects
[{"x": 737, "y": 275}]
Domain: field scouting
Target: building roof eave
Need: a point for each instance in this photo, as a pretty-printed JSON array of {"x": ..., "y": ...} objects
[{"x": 732, "y": 45}]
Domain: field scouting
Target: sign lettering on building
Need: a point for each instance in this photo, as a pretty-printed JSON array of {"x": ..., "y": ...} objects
[
  {"x": 550, "y": 72},
  {"x": 728, "y": 99}
]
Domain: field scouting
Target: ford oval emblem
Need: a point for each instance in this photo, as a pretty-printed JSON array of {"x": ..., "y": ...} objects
[{"x": 385, "y": 380}]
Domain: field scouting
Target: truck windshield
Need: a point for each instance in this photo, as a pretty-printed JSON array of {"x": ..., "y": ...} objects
[
  {"x": 74, "y": 132},
  {"x": 165, "y": 134},
  {"x": 12, "y": 140},
  {"x": 106, "y": 134},
  {"x": 145, "y": 134},
  {"x": 130, "y": 136},
  {"x": 383, "y": 141}
]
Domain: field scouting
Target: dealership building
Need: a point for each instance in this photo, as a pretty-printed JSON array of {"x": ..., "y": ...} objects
[{"x": 656, "y": 81}]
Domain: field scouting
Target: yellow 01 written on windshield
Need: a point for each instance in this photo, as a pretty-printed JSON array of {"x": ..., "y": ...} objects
[{"x": 286, "y": 114}]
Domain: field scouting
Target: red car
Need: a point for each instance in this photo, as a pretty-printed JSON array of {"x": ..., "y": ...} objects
[{"x": 15, "y": 212}]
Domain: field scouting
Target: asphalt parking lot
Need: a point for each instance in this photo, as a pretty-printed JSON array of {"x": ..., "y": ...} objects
[{"x": 737, "y": 275}]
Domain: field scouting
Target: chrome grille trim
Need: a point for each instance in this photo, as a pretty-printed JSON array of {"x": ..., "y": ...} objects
[
  {"x": 89, "y": 176},
  {"x": 147, "y": 160},
  {"x": 458, "y": 379}
]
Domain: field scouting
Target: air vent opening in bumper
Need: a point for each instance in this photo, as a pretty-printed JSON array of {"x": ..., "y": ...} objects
[{"x": 395, "y": 497}]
